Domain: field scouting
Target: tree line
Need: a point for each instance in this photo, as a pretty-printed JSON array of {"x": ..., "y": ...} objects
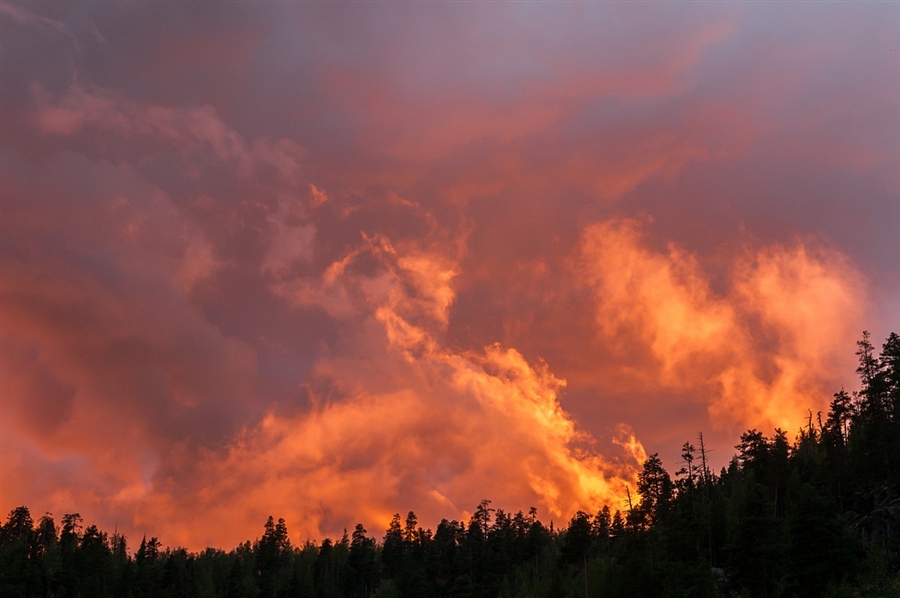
[{"x": 816, "y": 516}]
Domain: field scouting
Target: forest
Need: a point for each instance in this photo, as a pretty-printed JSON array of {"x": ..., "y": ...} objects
[{"x": 814, "y": 516}]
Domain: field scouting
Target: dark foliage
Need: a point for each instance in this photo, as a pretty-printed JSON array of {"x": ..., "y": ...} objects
[{"x": 819, "y": 517}]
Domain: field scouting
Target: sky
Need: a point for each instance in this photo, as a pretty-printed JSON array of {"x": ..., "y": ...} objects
[{"x": 335, "y": 261}]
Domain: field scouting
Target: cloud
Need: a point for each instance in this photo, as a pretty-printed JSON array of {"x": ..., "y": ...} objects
[
  {"x": 25, "y": 18},
  {"x": 106, "y": 265},
  {"x": 193, "y": 131},
  {"x": 292, "y": 239},
  {"x": 759, "y": 351},
  {"x": 331, "y": 261},
  {"x": 411, "y": 423}
]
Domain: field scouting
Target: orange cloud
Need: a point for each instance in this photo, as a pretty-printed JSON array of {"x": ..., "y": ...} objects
[
  {"x": 761, "y": 349},
  {"x": 417, "y": 424}
]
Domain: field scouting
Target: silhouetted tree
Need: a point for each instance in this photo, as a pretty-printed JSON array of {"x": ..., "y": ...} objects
[{"x": 655, "y": 489}]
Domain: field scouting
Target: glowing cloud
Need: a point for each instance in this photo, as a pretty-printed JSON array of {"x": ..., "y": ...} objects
[
  {"x": 331, "y": 261},
  {"x": 414, "y": 423},
  {"x": 761, "y": 348}
]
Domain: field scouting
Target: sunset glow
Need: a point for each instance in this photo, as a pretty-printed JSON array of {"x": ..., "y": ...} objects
[{"x": 331, "y": 262}]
